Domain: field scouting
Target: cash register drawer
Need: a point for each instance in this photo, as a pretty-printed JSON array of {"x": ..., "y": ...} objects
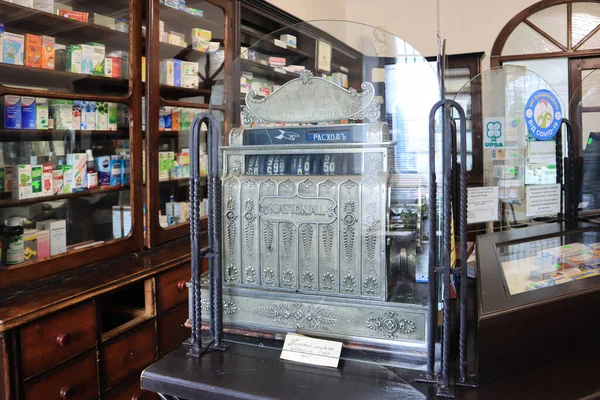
[{"x": 58, "y": 337}]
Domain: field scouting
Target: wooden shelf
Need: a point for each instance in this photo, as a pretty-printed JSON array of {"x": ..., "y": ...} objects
[
  {"x": 253, "y": 40},
  {"x": 22, "y": 135},
  {"x": 87, "y": 193},
  {"x": 67, "y": 31},
  {"x": 169, "y": 14},
  {"x": 265, "y": 71},
  {"x": 174, "y": 92},
  {"x": 22, "y": 75}
]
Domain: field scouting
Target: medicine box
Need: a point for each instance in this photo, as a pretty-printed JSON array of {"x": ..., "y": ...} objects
[
  {"x": 189, "y": 68},
  {"x": 103, "y": 167},
  {"x": 163, "y": 166},
  {"x": 122, "y": 25},
  {"x": 77, "y": 112},
  {"x": 73, "y": 58},
  {"x": 12, "y": 112},
  {"x": 76, "y": 15},
  {"x": 41, "y": 113},
  {"x": 78, "y": 162},
  {"x": 103, "y": 20},
  {"x": 48, "y": 52},
  {"x": 62, "y": 113},
  {"x": 289, "y": 40},
  {"x": 167, "y": 72},
  {"x": 43, "y": 244},
  {"x": 47, "y": 180},
  {"x": 88, "y": 115},
  {"x": 57, "y": 181},
  {"x": 13, "y": 48},
  {"x": 28, "y": 112},
  {"x": 22, "y": 182},
  {"x": 67, "y": 178},
  {"x": 115, "y": 170},
  {"x": 33, "y": 50},
  {"x": 190, "y": 81},
  {"x": 30, "y": 247},
  {"x": 44, "y": 5},
  {"x": 87, "y": 55},
  {"x": 98, "y": 55},
  {"x": 101, "y": 116},
  {"x": 57, "y": 230},
  {"x": 112, "y": 116},
  {"x": 36, "y": 180}
]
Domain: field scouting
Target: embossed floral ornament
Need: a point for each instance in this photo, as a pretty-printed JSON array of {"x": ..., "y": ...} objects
[
  {"x": 231, "y": 273},
  {"x": 328, "y": 281},
  {"x": 390, "y": 324},
  {"x": 229, "y": 307}
]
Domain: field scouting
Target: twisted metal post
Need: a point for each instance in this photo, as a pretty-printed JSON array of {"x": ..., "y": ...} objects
[
  {"x": 559, "y": 170},
  {"x": 432, "y": 275},
  {"x": 570, "y": 170}
]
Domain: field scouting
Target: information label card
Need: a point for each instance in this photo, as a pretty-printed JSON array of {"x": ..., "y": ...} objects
[
  {"x": 312, "y": 351},
  {"x": 543, "y": 200},
  {"x": 482, "y": 204}
]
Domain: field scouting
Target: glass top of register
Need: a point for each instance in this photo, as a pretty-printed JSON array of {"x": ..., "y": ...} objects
[{"x": 548, "y": 262}]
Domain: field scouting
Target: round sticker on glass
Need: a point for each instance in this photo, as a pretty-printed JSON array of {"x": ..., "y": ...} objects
[{"x": 543, "y": 114}]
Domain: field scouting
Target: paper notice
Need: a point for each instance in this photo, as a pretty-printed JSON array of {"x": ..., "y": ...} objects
[
  {"x": 542, "y": 200},
  {"x": 482, "y": 204},
  {"x": 307, "y": 350}
]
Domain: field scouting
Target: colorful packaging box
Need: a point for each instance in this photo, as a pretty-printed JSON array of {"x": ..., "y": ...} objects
[
  {"x": 57, "y": 181},
  {"x": 1, "y": 38},
  {"x": 88, "y": 115},
  {"x": 101, "y": 116},
  {"x": 115, "y": 170},
  {"x": 108, "y": 67},
  {"x": 78, "y": 162},
  {"x": 116, "y": 65},
  {"x": 73, "y": 62},
  {"x": 163, "y": 166},
  {"x": 30, "y": 247},
  {"x": 22, "y": 187},
  {"x": 57, "y": 231},
  {"x": 167, "y": 72},
  {"x": 13, "y": 48},
  {"x": 12, "y": 112},
  {"x": 122, "y": 25},
  {"x": 112, "y": 116},
  {"x": 124, "y": 57},
  {"x": 47, "y": 180},
  {"x": 41, "y": 113},
  {"x": 33, "y": 50},
  {"x": 185, "y": 120},
  {"x": 277, "y": 61},
  {"x": 103, "y": 167},
  {"x": 98, "y": 56},
  {"x": 175, "y": 119},
  {"x": 43, "y": 244},
  {"x": 7, "y": 184},
  {"x": 189, "y": 68},
  {"x": 191, "y": 82},
  {"x": 289, "y": 40},
  {"x": 28, "y": 112},
  {"x": 125, "y": 169},
  {"x": 177, "y": 70},
  {"x": 44, "y": 5},
  {"x": 77, "y": 112},
  {"x": 67, "y": 178},
  {"x": 62, "y": 113},
  {"x": 87, "y": 56},
  {"x": 200, "y": 39},
  {"x": 76, "y": 15},
  {"x": 36, "y": 181}
]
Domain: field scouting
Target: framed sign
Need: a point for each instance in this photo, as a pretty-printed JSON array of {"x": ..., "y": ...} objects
[{"x": 323, "y": 56}]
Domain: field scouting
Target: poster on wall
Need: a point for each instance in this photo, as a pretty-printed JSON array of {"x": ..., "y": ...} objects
[{"x": 542, "y": 200}]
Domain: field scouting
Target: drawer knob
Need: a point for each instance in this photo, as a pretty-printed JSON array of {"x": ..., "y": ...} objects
[
  {"x": 181, "y": 285},
  {"x": 66, "y": 393},
  {"x": 136, "y": 396},
  {"x": 63, "y": 339}
]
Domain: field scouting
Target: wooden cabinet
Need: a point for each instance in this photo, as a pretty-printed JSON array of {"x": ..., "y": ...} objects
[
  {"x": 171, "y": 329},
  {"x": 46, "y": 342},
  {"x": 128, "y": 354},
  {"x": 130, "y": 390},
  {"x": 75, "y": 381},
  {"x": 170, "y": 288}
]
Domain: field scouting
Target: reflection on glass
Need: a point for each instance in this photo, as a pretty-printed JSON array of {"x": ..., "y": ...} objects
[
  {"x": 64, "y": 172},
  {"x": 549, "y": 262}
]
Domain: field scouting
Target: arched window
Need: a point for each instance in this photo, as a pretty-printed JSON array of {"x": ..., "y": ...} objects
[{"x": 559, "y": 40}]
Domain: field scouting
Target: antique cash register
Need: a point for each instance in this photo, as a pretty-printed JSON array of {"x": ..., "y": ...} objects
[{"x": 306, "y": 236}]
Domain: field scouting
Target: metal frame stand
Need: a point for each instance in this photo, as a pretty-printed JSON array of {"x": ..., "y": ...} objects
[
  {"x": 212, "y": 253},
  {"x": 572, "y": 166}
]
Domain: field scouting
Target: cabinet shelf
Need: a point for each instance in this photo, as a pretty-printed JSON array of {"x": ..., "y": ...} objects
[
  {"x": 67, "y": 31},
  {"x": 22, "y": 75},
  {"x": 175, "y": 92},
  {"x": 87, "y": 193},
  {"x": 21, "y": 135},
  {"x": 169, "y": 14},
  {"x": 267, "y": 72}
]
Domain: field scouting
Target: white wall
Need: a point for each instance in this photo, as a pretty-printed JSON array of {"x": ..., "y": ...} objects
[{"x": 467, "y": 25}]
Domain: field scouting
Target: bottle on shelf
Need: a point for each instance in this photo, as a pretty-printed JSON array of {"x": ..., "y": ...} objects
[
  {"x": 92, "y": 173},
  {"x": 12, "y": 242}
]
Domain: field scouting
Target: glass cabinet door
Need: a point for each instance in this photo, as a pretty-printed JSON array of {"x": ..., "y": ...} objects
[
  {"x": 68, "y": 147},
  {"x": 186, "y": 55}
]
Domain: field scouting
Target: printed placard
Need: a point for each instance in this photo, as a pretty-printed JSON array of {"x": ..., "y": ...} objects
[
  {"x": 493, "y": 133},
  {"x": 543, "y": 114},
  {"x": 482, "y": 204},
  {"x": 312, "y": 351},
  {"x": 542, "y": 200}
]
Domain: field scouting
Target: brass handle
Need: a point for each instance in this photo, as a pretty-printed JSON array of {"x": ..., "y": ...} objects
[
  {"x": 66, "y": 393},
  {"x": 63, "y": 339},
  {"x": 181, "y": 285}
]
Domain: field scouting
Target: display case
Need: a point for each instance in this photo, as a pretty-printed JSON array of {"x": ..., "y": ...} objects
[
  {"x": 312, "y": 240},
  {"x": 540, "y": 281},
  {"x": 187, "y": 50},
  {"x": 70, "y": 141}
]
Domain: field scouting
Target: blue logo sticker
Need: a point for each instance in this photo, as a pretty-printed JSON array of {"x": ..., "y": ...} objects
[{"x": 543, "y": 115}]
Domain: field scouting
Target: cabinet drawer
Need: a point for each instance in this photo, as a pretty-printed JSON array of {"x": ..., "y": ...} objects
[
  {"x": 171, "y": 331},
  {"x": 170, "y": 288},
  {"x": 130, "y": 390},
  {"x": 76, "y": 381},
  {"x": 129, "y": 354},
  {"x": 47, "y": 342}
]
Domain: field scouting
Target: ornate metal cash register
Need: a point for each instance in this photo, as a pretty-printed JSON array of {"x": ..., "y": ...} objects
[{"x": 305, "y": 218}]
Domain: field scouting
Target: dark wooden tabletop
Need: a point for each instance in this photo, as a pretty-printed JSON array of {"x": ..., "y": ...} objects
[{"x": 253, "y": 372}]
